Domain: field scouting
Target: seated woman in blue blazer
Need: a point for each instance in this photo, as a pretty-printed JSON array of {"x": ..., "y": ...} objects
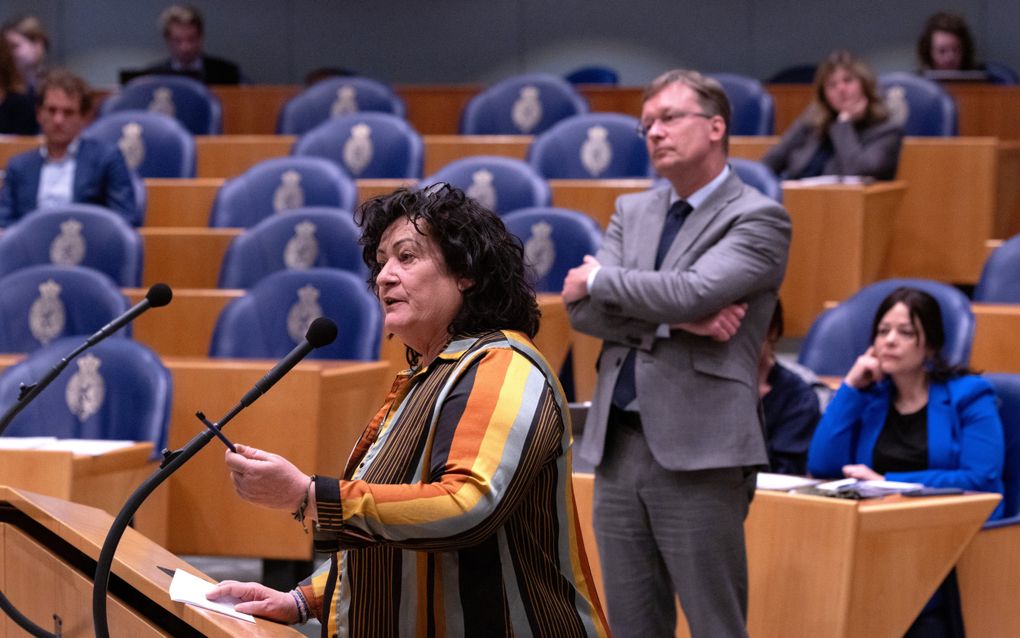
[{"x": 903, "y": 414}]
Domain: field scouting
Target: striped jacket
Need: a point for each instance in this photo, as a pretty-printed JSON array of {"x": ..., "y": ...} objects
[{"x": 456, "y": 516}]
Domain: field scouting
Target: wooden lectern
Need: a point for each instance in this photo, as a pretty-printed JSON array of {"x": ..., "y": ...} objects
[{"x": 49, "y": 551}]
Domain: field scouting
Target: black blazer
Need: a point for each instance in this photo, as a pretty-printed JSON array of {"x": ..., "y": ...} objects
[{"x": 214, "y": 70}]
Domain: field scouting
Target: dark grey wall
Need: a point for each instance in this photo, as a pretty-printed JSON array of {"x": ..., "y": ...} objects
[{"x": 454, "y": 41}]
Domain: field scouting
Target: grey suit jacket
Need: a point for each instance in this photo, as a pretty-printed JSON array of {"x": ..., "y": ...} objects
[
  {"x": 872, "y": 150},
  {"x": 698, "y": 397}
]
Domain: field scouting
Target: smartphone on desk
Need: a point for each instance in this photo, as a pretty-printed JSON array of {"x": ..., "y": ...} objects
[{"x": 935, "y": 491}]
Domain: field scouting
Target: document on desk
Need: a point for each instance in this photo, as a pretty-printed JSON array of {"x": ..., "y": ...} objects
[
  {"x": 888, "y": 487},
  {"x": 24, "y": 442},
  {"x": 783, "y": 482},
  {"x": 190, "y": 589},
  {"x": 86, "y": 447}
]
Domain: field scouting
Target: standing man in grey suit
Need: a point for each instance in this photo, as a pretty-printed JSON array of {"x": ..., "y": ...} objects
[{"x": 681, "y": 292}]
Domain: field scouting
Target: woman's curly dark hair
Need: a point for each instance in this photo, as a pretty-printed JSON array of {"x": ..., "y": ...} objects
[
  {"x": 954, "y": 24},
  {"x": 475, "y": 244}
]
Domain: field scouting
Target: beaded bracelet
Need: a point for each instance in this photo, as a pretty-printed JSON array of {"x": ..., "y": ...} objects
[
  {"x": 302, "y": 606},
  {"x": 299, "y": 514}
]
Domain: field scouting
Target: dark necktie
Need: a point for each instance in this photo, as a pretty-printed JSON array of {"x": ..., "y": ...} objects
[{"x": 626, "y": 387}]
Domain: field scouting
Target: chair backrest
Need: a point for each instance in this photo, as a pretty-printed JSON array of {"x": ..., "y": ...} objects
[
  {"x": 1007, "y": 387},
  {"x": 841, "y": 334},
  {"x": 185, "y": 99},
  {"x": 1000, "y": 278},
  {"x": 42, "y": 303},
  {"x": 281, "y": 184},
  {"x": 555, "y": 240},
  {"x": 752, "y": 110},
  {"x": 999, "y": 73},
  {"x": 117, "y": 390},
  {"x": 501, "y": 184},
  {"x": 590, "y": 146},
  {"x": 74, "y": 235},
  {"x": 366, "y": 145},
  {"x": 153, "y": 144},
  {"x": 922, "y": 106},
  {"x": 521, "y": 105},
  {"x": 334, "y": 97},
  {"x": 759, "y": 176},
  {"x": 593, "y": 75},
  {"x": 274, "y": 316},
  {"x": 313, "y": 237},
  {"x": 795, "y": 74}
]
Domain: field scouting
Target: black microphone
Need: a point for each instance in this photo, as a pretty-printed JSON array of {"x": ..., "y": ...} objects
[
  {"x": 158, "y": 296},
  {"x": 321, "y": 332}
]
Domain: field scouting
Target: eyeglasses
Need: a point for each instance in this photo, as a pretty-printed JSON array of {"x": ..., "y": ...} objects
[{"x": 668, "y": 118}]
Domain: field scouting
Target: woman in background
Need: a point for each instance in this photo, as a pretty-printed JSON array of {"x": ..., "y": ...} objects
[
  {"x": 29, "y": 44},
  {"x": 946, "y": 44},
  {"x": 845, "y": 131},
  {"x": 17, "y": 108}
]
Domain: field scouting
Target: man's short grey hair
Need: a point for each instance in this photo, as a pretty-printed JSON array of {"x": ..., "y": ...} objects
[{"x": 711, "y": 96}]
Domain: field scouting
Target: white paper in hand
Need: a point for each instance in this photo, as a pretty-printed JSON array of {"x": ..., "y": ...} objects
[{"x": 190, "y": 589}]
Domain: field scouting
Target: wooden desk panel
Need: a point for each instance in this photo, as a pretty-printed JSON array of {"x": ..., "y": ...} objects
[
  {"x": 183, "y": 328},
  {"x": 594, "y": 197},
  {"x": 180, "y": 202},
  {"x": 831, "y": 567},
  {"x": 137, "y": 563},
  {"x": 436, "y": 109},
  {"x": 440, "y": 150},
  {"x": 226, "y": 156},
  {"x": 1007, "y": 206},
  {"x": 104, "y": 481},
  {"x": 11, "y": 145},
  {"x": 184, "y": 257},
  {"x": 252, "y": 109},
  {"x": 989, "y": 589},
  {"x": 949, "y": 211},
  {"x": 841, "y": 240},
  {"x": 312, "y": 417},
  {"x": 996, "y": 338}
]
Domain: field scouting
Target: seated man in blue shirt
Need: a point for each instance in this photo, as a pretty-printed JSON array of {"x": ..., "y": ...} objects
[{"x": 66, "y": 168}]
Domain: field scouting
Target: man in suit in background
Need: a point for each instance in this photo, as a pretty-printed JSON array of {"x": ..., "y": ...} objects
[
  {"x": 66, "y": 168},
  {"x": 675, "y": 430},
  {"x": 183, "y": 31}
]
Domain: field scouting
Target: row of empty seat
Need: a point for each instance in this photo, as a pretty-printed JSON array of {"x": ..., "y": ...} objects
[{"x": 520, "y": 105}]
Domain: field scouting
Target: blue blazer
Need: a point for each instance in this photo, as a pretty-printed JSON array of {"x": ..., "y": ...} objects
[
  {"x": 100, "y": 177},
  {"x": 965, "y": 438}
]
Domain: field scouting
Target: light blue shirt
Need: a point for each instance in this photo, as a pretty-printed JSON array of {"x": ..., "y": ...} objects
[{"x": 56, "y": 180}]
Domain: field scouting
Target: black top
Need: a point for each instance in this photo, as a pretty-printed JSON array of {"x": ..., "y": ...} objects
[
  {"x": 17, "y": 114},
  {"x": 902, "y": 444}
]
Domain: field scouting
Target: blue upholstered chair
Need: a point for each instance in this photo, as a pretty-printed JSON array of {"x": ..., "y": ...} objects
[
  {"x": 501, "y": 184},
  {"x": 334, "y": 97},
  {"x": 555, "y": 240},
  {"x": 921, "y": 105},
  {"x": 117, "y": 390},
  {"x": 841, "y": 334},
  {"x": 759, "y": 176},
  {"x": 1000, "y": 278},
  {"x": 153, "y": 144},
  {"x": 999, "y": 73},
  {"x": 593, "y": 75},
  {"x": 314, "y": 237},
  {"x": 521, "y": 105},
  {"x": 366, "y": 145},
  {"x": 274, "y": 315},
  {"x": 280, "y": 184},
  {"x": 74, "y": 235},
  {"x": 752, "y": 110},
  {"x": 187, "y": 100},
  {"x": 41, "y": 303},
  {"x": 1007, "y": 387},
  {"x": 593, "y": 145}
]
